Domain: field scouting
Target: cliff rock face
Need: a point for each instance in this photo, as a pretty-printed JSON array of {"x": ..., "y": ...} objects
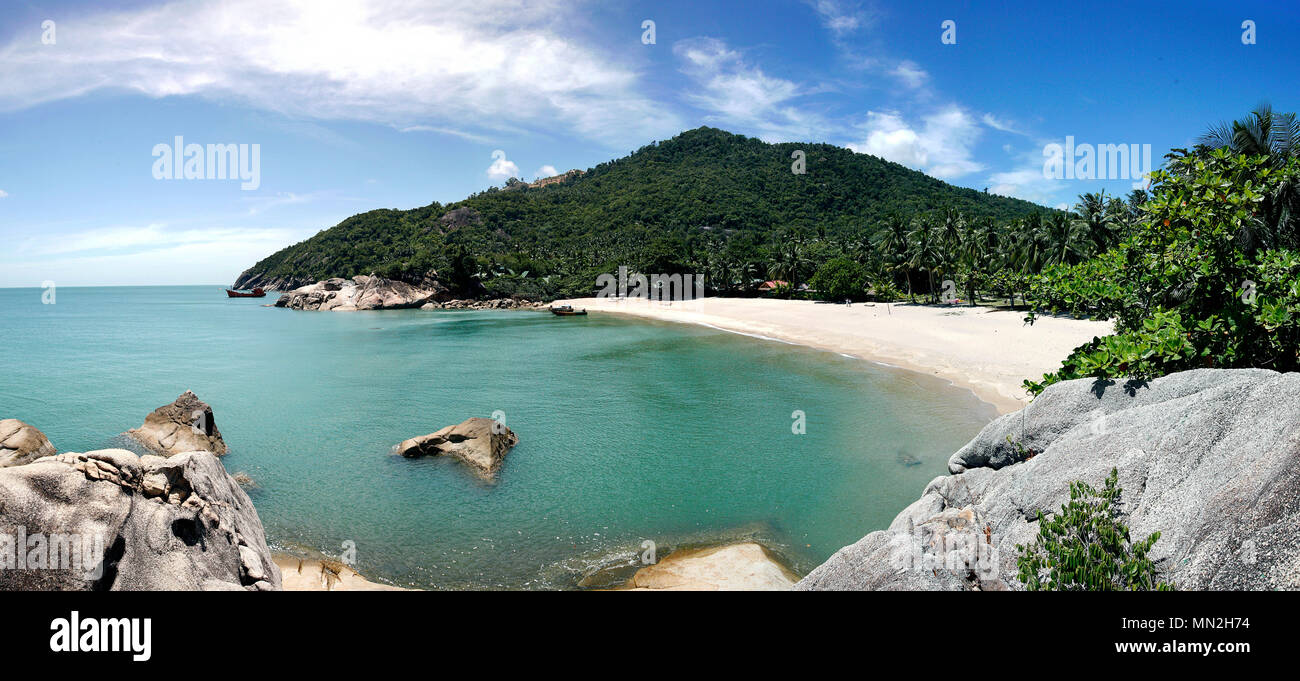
[
  {"x": 109, "y": 520},
  {"x": 21, "y": 443},
  {"x": 361, "y": 293},
  {"x": 474, "y": 441},
  {"x": 185, "y": 425},
  {"x": 1208, "y": 458}
]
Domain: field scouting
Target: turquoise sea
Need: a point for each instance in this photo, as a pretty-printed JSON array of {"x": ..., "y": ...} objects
[{"x": 629, "y": 430}]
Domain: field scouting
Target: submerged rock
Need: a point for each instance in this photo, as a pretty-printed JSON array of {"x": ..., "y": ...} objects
[
  {"x": 1206, "y": 457},
  {"x": 361, "y": 293},
  {"x": 21, "y": 443},
  {"x": 481, "y": 443},
  {"x": 745, "y": 566},
  {"x": 132, "y": 523},
  {"x": 185, "y": 425}
]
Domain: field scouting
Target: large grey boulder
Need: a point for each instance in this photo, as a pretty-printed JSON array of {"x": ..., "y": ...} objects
[
  {"x": 481, "y": 443},
  {"x": 185, "y": 425},
  {"x": 109, "y": 520},
  {"x": 1208, "y": 458},
  {"x": 21, "y": 443},
  {"x": 361, "y": 293}
]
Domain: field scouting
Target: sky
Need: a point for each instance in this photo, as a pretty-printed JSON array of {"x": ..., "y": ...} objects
[{"x": 358, "y": 105}]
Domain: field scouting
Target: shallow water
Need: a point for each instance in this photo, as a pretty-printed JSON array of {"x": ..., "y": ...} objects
[{"x": 629, "y": 430}]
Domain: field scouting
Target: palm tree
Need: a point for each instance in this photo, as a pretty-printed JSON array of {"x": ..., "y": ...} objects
[
  {"x": 1096, "y": 218},
  {"x": 1067, "y": 240},
  {"x": 892, "y": 243},
  {"x": 925, "y": 250},
  {"x": 789, "y": 262},
  {"x": 1276, "y": 137}
]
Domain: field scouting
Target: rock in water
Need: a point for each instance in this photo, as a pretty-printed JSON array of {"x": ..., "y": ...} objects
[
  {"x": 186, "y": 425},
  {"x": 736, "y": 567},
  {"x": 361, "y": 293},
  {"x": 132, "y": 523},
  {"x": 21, "y": 443},
  {"x": 481, "y": 443},
  {"x": 1206, "y": 457}
]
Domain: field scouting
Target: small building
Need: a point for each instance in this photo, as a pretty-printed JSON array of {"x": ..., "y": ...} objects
[{"x": 769, "y": 286}]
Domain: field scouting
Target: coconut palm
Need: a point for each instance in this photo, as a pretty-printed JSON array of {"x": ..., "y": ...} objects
[{"x": 1276, "y": 137}]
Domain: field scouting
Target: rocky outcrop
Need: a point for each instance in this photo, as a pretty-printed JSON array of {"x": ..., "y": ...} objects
[
  {"x": 481, "y": 443},
  {"x": 495, "y": 304},
  {"x": 362, "y": 293},
  {"x": 249, "y": 280},
  {"x": 185, "y": 425},
  {"x": 746, "y": 566},
  {"x": 21, "y": 443},
  {"x": 1206, "y": 457},
  {"x": 110, "y": 520}
]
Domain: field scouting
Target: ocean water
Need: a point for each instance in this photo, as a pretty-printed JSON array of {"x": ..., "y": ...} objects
[{"x": 629, "y": 431}]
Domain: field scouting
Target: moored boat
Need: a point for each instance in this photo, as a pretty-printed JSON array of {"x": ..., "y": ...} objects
[
  {"x": 566, "y": 311},
  {"x": 255, "y": 293}
]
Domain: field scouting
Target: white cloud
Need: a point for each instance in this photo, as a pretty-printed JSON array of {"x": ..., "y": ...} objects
[
  {"x": 504, "y": 64},
  {"x": 742, "y": 95},
  {"x": 502, "y": 168},
  {"x": 910, "y": 73},
  {"x": 941, "y": 146},
  {"x": 999, "y": 124},
  {"x": 546, "y": 171},
  {"x": 841, "y": 17},
  {"x": 1025, "y": 183},
  {"x": 3, "y": 193}
]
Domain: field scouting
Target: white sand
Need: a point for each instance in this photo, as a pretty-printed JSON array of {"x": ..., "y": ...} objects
[{"x": 988, "y": 351}]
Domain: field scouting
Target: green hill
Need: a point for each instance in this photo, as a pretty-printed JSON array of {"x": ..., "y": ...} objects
[{"x": 673, "y": 206}]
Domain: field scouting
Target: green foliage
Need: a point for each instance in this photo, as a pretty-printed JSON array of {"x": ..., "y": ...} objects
[
  {"x": 1085, "y": 547},
  {"x": 840, "y": 279},
  {"x": 707, "y": 201},
  {"x": 1202, "y": 282}
]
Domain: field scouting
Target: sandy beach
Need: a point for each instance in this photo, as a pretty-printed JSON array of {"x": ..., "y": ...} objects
[{"x": 988, "y": 351}]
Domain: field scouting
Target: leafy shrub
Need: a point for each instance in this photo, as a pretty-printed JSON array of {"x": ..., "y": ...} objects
[
  {"x": 1193, "y": 286},
  {"x": 1085, "y": 547},
  {"x": 840, "y": 279}
]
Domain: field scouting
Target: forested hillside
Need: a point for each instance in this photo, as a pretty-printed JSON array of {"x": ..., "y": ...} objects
[{"x": 705, "y": 201}]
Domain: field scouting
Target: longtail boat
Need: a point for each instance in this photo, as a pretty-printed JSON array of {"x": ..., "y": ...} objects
[
  {"x": 566, "y": 311},
  {"x": 255, "y": 293}
]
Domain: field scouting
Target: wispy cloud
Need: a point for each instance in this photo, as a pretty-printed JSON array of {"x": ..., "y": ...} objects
[
  {"x": 841, "y": 17},
  {"x": 502, "y": 64},
  {"x": 153, "y": 254},
  {"x": 737, "y": 93}
]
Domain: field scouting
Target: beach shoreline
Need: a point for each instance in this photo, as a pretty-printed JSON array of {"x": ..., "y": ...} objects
[{"x": 987, "y": 351}]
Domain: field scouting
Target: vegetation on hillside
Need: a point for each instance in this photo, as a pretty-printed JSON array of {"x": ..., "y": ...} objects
[{"x": 705, "y": 202}]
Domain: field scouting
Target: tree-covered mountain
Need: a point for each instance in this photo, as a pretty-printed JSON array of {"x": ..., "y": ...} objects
[{"x": 705, "y": 196}]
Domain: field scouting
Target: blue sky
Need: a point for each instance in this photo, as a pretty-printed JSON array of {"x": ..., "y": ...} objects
[{"x": 393, "y": 104}]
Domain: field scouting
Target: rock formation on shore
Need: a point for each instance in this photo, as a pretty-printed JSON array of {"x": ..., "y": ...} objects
[
  {"x": 1206, "y": 457},
  {"x": 362, "y": 293},
  {"x": 185, "y": 425},
  {"x": 21, "y": 443},
  {"x": 132, "y": 523},
  {"x": 746, "y": 566},
  {"x": 493, "y": 304},
  {"x": 481, "y": 443}
]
